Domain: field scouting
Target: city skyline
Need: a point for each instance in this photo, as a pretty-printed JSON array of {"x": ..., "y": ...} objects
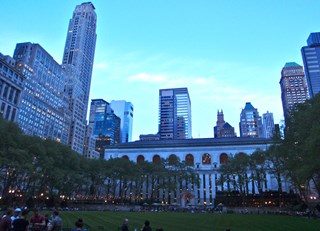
[{"x": 226, "y": 54}]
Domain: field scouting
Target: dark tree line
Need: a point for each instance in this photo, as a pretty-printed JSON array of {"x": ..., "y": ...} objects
[{"x": 35, "y": 168}]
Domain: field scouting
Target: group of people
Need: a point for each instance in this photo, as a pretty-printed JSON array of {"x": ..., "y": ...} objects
[
  {"x": 146, "y": 226},
  {"x": 16, "y": 220}
]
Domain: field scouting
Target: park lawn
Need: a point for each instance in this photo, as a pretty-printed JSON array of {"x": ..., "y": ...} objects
[{"x": 170, "y": 221}]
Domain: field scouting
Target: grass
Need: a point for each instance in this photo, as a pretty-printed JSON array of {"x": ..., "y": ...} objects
[{"x": 111, "y": 221}]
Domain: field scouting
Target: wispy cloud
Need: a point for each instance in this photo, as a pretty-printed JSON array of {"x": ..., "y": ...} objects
[
  {"x": 147, "y": 78},
  {"x": 100, "y": 66}
]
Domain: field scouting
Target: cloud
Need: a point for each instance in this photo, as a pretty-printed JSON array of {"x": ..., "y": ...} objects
[
  {"x": 100, "y": 66},
  {"x": 149, "y": 78}
]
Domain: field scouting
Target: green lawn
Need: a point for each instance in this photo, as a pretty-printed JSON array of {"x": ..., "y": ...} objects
[{"x": 107, "y": 221}]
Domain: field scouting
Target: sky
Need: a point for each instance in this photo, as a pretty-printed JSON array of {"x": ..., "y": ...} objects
[{"x": 225, "y": 52}]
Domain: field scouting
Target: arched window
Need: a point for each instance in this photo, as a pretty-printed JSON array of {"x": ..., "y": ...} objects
[
  {"x": 224, "y": 158},
  {"x": 173, "y": 159},
  {"x": 125, "y": 157},
  {"x": 241, "y": 154},
  {"x": 156, "y": 159},
  {"x": 206, "y": 159},
  {"x": 140, "y": 159},
  {"x": 189, "y": 160}
]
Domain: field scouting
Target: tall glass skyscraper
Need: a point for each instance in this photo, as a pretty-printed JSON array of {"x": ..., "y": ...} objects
[
  {"x": 44, "y": 105},
  {"x": 124, "y": 110},
  {"x": 78, "y": 61},
  {"x": 174, "y": 114},
  {"x": 250, "y": 122},
  {"x": 104, "y": 123},
  {"x": 311, "y": 62},
  {"x": 293, "y": 86}
]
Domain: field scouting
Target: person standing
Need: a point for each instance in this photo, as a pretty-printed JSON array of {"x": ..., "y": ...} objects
[
  {"x": 146, "y": 226},
  {"x": 37, "y": 221},
  {"x": 16, "y": 214},
  {"x": 5, "y": 223},
  {"x": 56, "y": 223},
  {"x": 124, "y": 226},
  {"x": 21, "y": 223}
]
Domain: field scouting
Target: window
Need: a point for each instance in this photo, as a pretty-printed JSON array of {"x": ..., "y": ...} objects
[
  {"x": 190, "y": 160},
  {"x": 206, "y": 159},
  {"x": 223, "y": 158},
  {"x": 140, "y": 159},
  {"x": 156, "y": 159},
  {"x": 173, "y": 159}
]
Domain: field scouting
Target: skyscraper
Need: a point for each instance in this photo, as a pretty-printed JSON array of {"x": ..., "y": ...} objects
[
  {"x": 268, "y": 125},
  {"x": 104, "y": 123},
  {"x": 250, "y": 122},
  {"x": 44, "y": 104},
  {"x": 293, "y": 86},
  {"x": 174, "y": 114},
  {"x": 222, "y": 128},
  {"x": 78, "y": 61},
  {"x": 124, "y": 110},
  {"x": 311, "y": 62}
]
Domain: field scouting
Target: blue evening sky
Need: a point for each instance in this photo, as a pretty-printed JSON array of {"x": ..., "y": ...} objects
[{"x": 225, "y": 52}]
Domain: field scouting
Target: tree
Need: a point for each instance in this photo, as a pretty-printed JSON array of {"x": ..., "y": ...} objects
[{"x": 302, "y": 139}]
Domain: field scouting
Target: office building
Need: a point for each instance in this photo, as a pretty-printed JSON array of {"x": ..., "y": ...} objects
[
  {"x": 90, "y": 144},
  {"x": 250, "y": 122},
  {"x": 311, "y": 62},
  {"x": 124, "y": 110},
  {"x": 268, "y": 125},
  {"x": 44, "y": 106},
  {"x": 11, "y": 86},
  {"x": 104, "y": 123},
  {"x": 174, "y": 114},
  {"x": 78, "y": 62},
  {"x": 222, "y": 128},
  {"x": 293, "y": 87}
]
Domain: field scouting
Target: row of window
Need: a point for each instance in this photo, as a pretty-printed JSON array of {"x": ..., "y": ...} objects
[{"x": 189, "y": 159}]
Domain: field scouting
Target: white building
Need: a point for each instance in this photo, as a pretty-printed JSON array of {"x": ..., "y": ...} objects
[{"x": 205, "y": 155}]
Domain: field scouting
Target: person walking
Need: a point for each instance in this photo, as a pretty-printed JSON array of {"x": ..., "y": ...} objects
[
  {"x": 125, "y": 226},
  {"x": 147, "y": 226},
  {"x": 21, "y": 223}
]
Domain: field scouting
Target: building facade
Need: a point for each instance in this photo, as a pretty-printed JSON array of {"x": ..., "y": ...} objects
[
  {"x": 90, "y": 144},
  {"x": 293, "y": 87},
  {"x": 78, "y": 62},
  {"x": 250, "y": 122},
  {"x": 104, "y": 123},
  {"x": 205, "y": 156},
  {"x": 222, "y": 128},
  {"x": 124, "y": 110},
  {"x": 11, "y": 86},
  {"x": 44, "y": 110},
  {"x": 268, "y": 125},
  {"x": 311, "y": 61},
  {"x": 174, "y": 114}
]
